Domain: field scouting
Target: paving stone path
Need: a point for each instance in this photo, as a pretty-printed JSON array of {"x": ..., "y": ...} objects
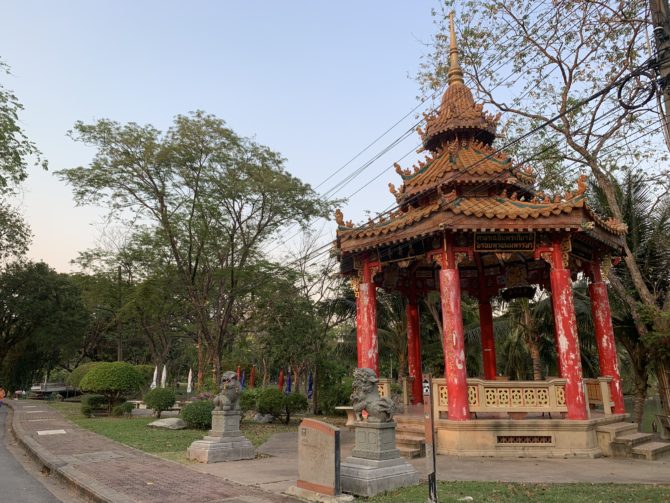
[{"x": 112, "y": 472}]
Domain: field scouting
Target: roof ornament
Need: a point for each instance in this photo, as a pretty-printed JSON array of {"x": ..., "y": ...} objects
[
  {"x": 455, "y": 74},
  {"x": 339, "y": 217}
]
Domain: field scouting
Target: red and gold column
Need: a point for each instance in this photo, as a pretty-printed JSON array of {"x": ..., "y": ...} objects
[
  {"x": 602, "y": 324},
  {"x": 565, "y": 331},
  {"x": 452, "y": 333},
  {"x": 366, "y": 320},
  {"x": 414, "y": 346},
  {"x": 486, "y": 331}
]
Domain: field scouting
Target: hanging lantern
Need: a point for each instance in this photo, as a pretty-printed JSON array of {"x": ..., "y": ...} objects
[{"x": 516, "y": 280}]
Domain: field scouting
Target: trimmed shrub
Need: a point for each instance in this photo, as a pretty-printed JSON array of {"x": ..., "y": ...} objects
[
  {"x": 113, "y": 380},
  {"x": 125, "y": 409},
  {"x": 160, "y": 399},
  {"x": 198, "y": 414},
  {"x": 75, "y": 377},
  {"x": 295, "y": 402},
  {"x": 93, "y": 403},
  {"x": 270, "y": 401},
  {"x": 248, "y": 399}
]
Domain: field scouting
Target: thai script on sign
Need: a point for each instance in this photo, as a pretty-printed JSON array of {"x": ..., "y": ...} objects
[{"x": 508, "y": 241}]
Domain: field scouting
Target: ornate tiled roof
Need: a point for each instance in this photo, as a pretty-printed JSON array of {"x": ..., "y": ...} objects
[
  {"x": 458, "y": 113},
  {"x": 496, "y": 213},
  {"x": 464, "y": 184},
  {"x": 462, "y": 162}
]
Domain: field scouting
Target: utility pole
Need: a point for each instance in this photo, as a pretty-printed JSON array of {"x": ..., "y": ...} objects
[{"x": 660, "y": 17}]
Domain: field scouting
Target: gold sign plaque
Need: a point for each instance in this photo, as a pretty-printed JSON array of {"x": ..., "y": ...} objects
[{"x": 504, "y": 241}]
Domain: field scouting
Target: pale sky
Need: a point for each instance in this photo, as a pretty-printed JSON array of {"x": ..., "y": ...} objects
[{"x": 316, "y": 81}]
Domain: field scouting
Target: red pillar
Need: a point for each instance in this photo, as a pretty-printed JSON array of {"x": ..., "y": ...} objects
[
  {"x": 366, "y": 321},
  {"x": 486, "y": 331},
  {"x": 414, "y": 347},
  {"x": 565, "y": 327},
  {"x": 602, "y": 322},
  {"x": 452, "y": 333}
]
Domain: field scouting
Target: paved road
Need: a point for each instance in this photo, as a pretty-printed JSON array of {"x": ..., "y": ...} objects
[{"x": 16, "y": 484}]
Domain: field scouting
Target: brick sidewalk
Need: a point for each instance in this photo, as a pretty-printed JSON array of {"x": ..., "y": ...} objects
[{"x": 111, "y": 472}]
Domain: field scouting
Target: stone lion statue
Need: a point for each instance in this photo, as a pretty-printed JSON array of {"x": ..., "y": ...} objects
[
  {"x": 229, "y": 394},
  {"x": 365, "y": 396}
]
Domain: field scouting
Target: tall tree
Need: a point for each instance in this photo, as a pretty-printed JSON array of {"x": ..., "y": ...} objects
[
  {"x": 42, "y": 313},
  {"x": 213, "y": 197},
  {"x": 16, "y": 150},
  {"x": 554, "y": 58},
  {"x": 648, "y": 220}
]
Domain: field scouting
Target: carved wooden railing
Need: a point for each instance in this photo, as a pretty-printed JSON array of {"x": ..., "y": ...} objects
[
  {"x": 598, "y": 393},
  {"x": 506, "y": 396},
  {"x": 384, "y": 387}
]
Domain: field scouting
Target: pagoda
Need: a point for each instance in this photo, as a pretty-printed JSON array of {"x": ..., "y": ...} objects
[{"x": 468, "y": 219}]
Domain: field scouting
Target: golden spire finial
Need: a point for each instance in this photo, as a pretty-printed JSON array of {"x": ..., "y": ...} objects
[{"x": 455, "y": 74}]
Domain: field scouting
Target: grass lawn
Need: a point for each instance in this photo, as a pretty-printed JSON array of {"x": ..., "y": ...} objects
[
  {"x": 167, "y": 444},
  {"x": 496, "y": 492}
]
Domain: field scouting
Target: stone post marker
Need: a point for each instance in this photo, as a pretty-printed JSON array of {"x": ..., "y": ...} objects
[
  {"x": 318, "y": 463},
  {"x": 224, "y": 442},
  {"x": 375, "y": 464}
]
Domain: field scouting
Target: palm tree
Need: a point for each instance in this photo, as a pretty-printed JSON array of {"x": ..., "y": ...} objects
[{"x": 644, "y": 333}]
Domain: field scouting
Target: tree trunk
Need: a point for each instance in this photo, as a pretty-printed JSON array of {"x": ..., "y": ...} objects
[
  {"x": 663, "y": 375},
  {"x": 639, "y": 399},
  {"x": 315, "y": 394},
  {"x": 535, "y": 356}
]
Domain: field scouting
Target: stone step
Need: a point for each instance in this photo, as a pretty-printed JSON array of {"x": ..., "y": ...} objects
[
  {"x": 407, "y": 420},
  {"x": 652, "y": 450},
  {"x": 411, "y": 452},
  {"x": 616, "y": 429},
  {"x": 634, "y": 439},
  {"x": 410, "y": 436},
  {"x": 409, "y": 441},
  {"x": 410, "y": 427}
]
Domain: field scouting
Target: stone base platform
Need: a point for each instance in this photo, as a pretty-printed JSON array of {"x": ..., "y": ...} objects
[
  {"x": 368, "y": 477},
  {"x": 215, "y": 449},
  {"x": 539, "y": 438}
]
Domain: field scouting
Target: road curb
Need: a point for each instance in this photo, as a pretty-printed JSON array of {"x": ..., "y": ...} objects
[{"x": 77, "y": 481}]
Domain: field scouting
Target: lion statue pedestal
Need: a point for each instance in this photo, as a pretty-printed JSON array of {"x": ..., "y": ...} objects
[
  {"x": 224, "y": 442},
  {"x": 375, "y": 464}
]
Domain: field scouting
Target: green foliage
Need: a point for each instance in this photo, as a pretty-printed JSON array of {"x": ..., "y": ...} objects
[
  {"x": 113, "y": 380},
  {"x": 294, "y": 402},
  {"x": 42, "y": 320},
  {"x": 334, "y": 386},
  {"x": 198, "y": 414},
  {"x": 248, "y": 399},
  {"x": 125, "y": 409},
  {"x": 93, "y": 403},
  {"x": 270, "y": 401},
  {"x": 160, "y": 399},
  {"x": 190, "y": 184},
  {"x": 75, "y": 377},
  {"x": 16, "y": 150},
  {"x": 147, "y": 373}
]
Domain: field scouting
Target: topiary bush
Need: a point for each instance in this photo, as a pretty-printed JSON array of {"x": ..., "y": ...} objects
[
  {"x": 295, "y": 402},
  {"x": 113, "y": 380},
  {"x": 248, "y": 399},
  {"x": 270, "y": 401},
  {"x": 160, "y": 399},
  {"x": 125, "y": 409},
  {"x": 75, "y": 377},
  {"x": 93, "y": 403},
  {"x": 198, "y": 414}
]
